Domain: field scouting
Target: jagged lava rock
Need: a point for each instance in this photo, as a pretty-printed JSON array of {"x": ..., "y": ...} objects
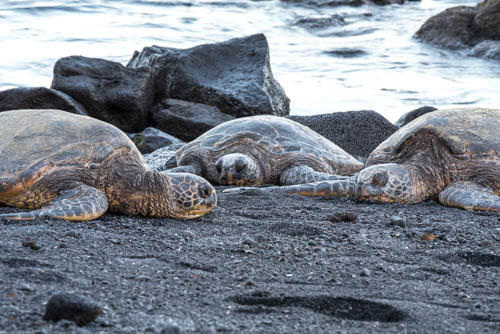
[
  {"x": 39, "y": 98},
  {"x": 163, "y": 158},
  {"x": 186, "y": 120},
  {"x": 152, "y": 139},
  {"x": 234, "y": 76},
  {"x": 109, "y": 91},
  {"x": 357, "y": 132},
  {"x": 473, "y": 29},
  {"x": 71, "y": 307},
  {"x": 449, "y": 29},
  {"x": 411, "y": 115}
]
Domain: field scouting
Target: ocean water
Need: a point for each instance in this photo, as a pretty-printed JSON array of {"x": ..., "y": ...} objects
[{"x": 364, "y": 58}]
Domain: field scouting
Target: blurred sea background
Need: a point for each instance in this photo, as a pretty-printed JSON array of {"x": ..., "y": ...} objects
[{"x": 327, "y": 59}]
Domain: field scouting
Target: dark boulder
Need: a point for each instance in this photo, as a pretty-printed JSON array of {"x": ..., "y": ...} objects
[
  {"x": 39, "y": 98},
  {"x": 234, "y": 76},
  {"x": 487, "y": 21},
  {"x": 71, "y": 307},
  {"x": 152, "y": 139},
  {"x": 411, "y": 115},
  {"x": 450, "y": 29},
  {"x": 186, "y": 120},
  {"x": 164, "y": 158},
  {"x": 476, "y": 30},
  {"x": 357, "y": 132},
  {"x": 109, "y": 91}
]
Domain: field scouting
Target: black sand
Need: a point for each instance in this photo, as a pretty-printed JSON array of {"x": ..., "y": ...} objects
[{"x": 259, "y": 264}]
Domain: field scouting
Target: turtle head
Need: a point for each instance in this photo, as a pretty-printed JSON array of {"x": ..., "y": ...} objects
[
  {"x": 192, "y": 196},
  {"x": 238, "y": 169},
  {"x": 389, "y": 182}
]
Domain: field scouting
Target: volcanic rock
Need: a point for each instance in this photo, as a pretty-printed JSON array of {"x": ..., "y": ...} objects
[
  {"x": 186, "y": 120},
  {"x": 71, "y": 307},
  {"x": 234, "y": 76},
  {"x": 39, "y": 98},
  {"x": 152, "y": 139},
  {"x": 357, "y": 132},
  {"x": 465, "y": 28},
  {"x": 411, "y": 115},
  {"x": 109, "y": 91}
]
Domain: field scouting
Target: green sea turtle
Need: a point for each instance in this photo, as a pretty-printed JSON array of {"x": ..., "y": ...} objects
[
  {"x": 449, "y": 155},
  {"x": 75, "y": 167},
  {"x": 264, "y": 149}
]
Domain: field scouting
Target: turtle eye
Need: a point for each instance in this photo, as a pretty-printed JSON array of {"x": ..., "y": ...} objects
[
  {"x": 240, "y": 165},
  {"x": 380, "y": 179},
  {"x": 204, "y": 191}
]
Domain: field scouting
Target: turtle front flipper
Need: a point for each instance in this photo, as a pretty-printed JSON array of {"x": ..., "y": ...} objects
[
  {"x": 470, "y": 196},
  {"x": 338, "y": 188},
  {"x": 305, "y": 174},
  {"x": 80, "y": 203}
]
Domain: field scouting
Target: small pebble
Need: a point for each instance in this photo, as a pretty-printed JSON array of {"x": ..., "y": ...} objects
[
  {"x": 31, "y": 244},
  {"x": 171, "y": 330},
  {"x": 397, "y": 221},
  {"x": 249, "y": 242},
  {"x": 428, "y": 237},
  {"x": 72, "y": 234},
  {"x": 365, "y": 272},
  {"x": 342, "y": 216},
  {"x": 71, "y": 307}
]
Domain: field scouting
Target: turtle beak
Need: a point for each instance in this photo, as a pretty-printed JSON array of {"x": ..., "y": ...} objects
[
  {"x": 226, "y": 176},
  {"x": 361, "y": 191}
]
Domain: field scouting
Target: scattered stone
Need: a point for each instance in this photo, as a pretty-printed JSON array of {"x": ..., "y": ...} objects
[
  {"x": 397, "y": 221},
  {"x": 342, "y": 216},
  {"x": 428, "y": 237},
  {"x": 171, "y": 330},
  {"x": 357, "y": 132},
  {"x": 411, "y": 115},
  {"x": 249, "y": 242},
  {"x": 234, "y": 76},
  {"x": 186, "y": 120},
  {"x": 365, "y": 272},
  {"x": 163, "y": 158},
  {"x": 39, "y": 98},
  {"x": 317, "y": 23},
  {"x": 152, "y": 139},
  {"x": 109, "y": 91},
  {"x": 71, "y": 307},
  {"x": 260, "y": 293},
  {"x": 72, "y": 234},
  {"x": 26, "y": 287},
  {"x": 31, "y": 244},
  {"x": 329, "y": 3},
  {"x": 346, "y": 52},
  {"x": 353, "y": 3}
]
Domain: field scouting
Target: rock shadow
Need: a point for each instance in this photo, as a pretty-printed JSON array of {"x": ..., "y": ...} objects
[
  {"x": 339, "y": 307},
  {"x": 477, "y": 259}
]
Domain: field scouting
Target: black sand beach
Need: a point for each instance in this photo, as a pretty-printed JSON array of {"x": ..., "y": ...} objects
[{"x": 259, "y": 264}]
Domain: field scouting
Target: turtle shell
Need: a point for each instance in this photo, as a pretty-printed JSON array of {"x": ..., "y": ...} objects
[
  {"x": 466, "y": 133},
  {"x": 32, "y": 142},
  {"x": 275, "y": 140}
]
